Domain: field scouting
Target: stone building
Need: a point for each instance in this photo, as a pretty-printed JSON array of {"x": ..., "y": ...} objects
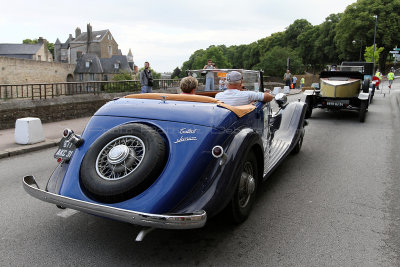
[
  {"x": 100, "y": 43},
  {"x": 92, "y": 68},
  {"x": 38, "y": 51}
]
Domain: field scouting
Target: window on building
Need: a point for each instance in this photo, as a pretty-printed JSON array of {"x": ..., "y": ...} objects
[
  {"x": 81, "y": 76},
  {"x": 91, "y": 76},
  {"x": 78, "y": 54},
  {"x": 87, "y": 64},
  {"x": 39, "y": 58},
  {"x": 109, "y": 37},
  {"x": 110, "y": 50},
  {"x": 105, "y": 78},
  {"x": 116, "y": 66}
]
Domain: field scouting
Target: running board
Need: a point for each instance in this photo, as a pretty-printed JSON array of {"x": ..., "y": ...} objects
[{"x": 279, "y": 148}]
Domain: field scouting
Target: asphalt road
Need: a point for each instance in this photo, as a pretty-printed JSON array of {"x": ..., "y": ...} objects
[{"x": 336, "y": 203}]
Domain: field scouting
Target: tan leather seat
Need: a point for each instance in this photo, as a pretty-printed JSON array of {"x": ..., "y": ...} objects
[{"x": 240, "y": 111}]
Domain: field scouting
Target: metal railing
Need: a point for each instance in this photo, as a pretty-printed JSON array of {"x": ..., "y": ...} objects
[{"x": 51, "y": 90}]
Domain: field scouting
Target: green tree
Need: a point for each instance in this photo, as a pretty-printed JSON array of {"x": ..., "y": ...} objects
[
  {"x": 214, "y": 53},
  {"x": 176, "y": 73},
  {"x": 358, "y": 23},
  {"x": 316, "y": 45},
  {"x": 189, "y": 64},
  {"x": 294, "y": 30},
  {"x": 274, "y": 61},
  {"x": 369, "y": 51},
  {"x": 123, "y": 76}
]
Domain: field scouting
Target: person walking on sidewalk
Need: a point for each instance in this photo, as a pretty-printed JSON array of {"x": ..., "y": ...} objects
[
  {"x": 146, "y": 79},
  {"x": 287, "y": 77},
  {"x": 294, "y": 80},
  {"x": 302, "y": 82},
  {"x": 390, "y": 77}
]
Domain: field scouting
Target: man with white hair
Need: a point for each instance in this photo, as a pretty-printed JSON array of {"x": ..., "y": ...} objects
[{"x": 234, "y": 94}]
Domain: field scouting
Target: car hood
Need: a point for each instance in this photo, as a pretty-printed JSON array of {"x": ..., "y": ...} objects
[{"x": 206, "y": 114}]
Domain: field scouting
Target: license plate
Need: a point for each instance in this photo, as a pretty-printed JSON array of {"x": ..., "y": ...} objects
[
  {"x": 338, "y": 103},
  {"x": 65, "y": 150}
]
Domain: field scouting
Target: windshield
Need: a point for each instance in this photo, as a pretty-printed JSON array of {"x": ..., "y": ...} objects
[{"x": 215, "y": 79}]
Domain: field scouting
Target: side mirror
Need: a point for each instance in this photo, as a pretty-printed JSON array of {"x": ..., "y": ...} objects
[{"x": 281, "y": 100}]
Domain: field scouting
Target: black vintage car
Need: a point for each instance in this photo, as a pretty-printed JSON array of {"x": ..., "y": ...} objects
[{"x": 348, "y": 88}]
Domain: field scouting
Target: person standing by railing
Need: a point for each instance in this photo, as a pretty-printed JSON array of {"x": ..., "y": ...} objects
[
  {"x": 209, "y": 76},
  {"x": 146, "y": 79}
]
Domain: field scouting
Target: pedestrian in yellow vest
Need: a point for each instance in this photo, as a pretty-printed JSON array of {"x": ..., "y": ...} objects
[
  {"x": 302, "y": 81},
  {"x": 390, "y": 77}
]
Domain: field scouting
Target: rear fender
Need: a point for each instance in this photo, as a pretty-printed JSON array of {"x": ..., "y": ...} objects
[{"x": 223, "y": 181}]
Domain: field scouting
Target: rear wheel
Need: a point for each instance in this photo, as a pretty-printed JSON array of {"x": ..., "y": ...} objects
[
  {"x": 309, "y": 107},
  {"x": 363, "y": 110},
  {"x": 298, "y": 145},
  {"x": 123, "y": 162},
  {"x": 365, "y": 86},
  {"x": 245, "y": 193}
]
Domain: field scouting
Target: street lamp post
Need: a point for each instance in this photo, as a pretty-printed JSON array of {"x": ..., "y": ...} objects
[
  {"x": 354, "y": 42},
  {"x": 373, "y": 51}
]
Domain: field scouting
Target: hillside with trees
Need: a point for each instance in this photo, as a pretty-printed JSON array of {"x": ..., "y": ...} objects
[{"x": 341, "y": 37}]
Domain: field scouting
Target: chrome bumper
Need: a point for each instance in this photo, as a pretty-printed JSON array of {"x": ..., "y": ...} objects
[{"x": 167, "y": 221}]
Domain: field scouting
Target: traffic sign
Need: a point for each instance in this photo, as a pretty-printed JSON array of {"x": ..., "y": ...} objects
[
  {"x": 394, "y": 52},
  {"x": 396, "y": 49}
]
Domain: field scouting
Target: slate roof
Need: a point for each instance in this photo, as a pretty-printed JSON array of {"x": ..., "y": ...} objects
[
  {"x": 108, "y": 64},
  {"x": 95, "y": 64},
  {"x": 66, "y": 44},
  {"x": 97, "y": 36},
  {"x": 19, "y": 49},
  {"x": 102, "y": 65}
]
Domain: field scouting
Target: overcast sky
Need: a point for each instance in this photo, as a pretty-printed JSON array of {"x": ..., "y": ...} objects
[{"x": 165, "y": 33}]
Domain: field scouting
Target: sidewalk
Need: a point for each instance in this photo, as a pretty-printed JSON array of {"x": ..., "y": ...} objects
[{"x": 52, "y": 132}]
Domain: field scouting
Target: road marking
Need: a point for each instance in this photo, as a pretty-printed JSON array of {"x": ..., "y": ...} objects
[{"x": 67, "y": 213}]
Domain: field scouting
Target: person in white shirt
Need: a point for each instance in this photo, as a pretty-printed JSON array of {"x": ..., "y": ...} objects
[
  {"x": 209, "y": 76},
  {"x": 234, "y": 94}
]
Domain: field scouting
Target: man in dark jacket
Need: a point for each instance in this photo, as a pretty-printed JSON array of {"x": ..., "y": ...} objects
[{"x": 146, "y": 79}]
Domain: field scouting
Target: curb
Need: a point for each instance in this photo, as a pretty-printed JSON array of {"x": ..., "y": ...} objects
[{"x": 28, "y": 148}]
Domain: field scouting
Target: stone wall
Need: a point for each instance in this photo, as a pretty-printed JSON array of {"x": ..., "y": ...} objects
[
  {"x": 56, "y": 109},
  {"x": 21, "y": 71}
]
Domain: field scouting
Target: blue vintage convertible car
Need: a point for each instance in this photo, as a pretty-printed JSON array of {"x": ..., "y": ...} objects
[{"x": 172, "y": 160}]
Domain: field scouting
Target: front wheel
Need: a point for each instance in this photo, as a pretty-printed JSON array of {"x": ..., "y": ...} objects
[
  {"x": 309, "y": 107},
  {"x": 363, "y": 110},
  {"x": 245, "y": 192}
]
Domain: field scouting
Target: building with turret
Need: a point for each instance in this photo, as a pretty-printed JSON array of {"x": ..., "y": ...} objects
[{"x": 100, "y": 43}]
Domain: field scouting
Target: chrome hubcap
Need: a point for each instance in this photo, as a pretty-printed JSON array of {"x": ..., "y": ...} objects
[
  {"x": 247, "y": 185},
  {"x": 120, "y": 157},
  {"x": 118, "y": 154}
]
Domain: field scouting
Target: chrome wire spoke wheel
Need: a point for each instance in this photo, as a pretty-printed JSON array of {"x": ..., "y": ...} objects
[
  {"x": 120, "y": 157},
  {"x": 246, "y": 184}
]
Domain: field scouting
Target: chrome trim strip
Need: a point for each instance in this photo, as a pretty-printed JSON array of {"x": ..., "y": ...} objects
[{"x": 166, "y": 221}]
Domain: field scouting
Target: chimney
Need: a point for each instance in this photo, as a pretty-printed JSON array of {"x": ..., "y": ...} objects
[
  {"x": 77, "y": 32},
  {"x": 40, "y": 40},
  {"x": 70, "y": 37},
  {"x": 89, "y": 37}
]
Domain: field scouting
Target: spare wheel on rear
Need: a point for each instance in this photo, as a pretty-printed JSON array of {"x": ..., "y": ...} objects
[{"x": 123, "y": 162}]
